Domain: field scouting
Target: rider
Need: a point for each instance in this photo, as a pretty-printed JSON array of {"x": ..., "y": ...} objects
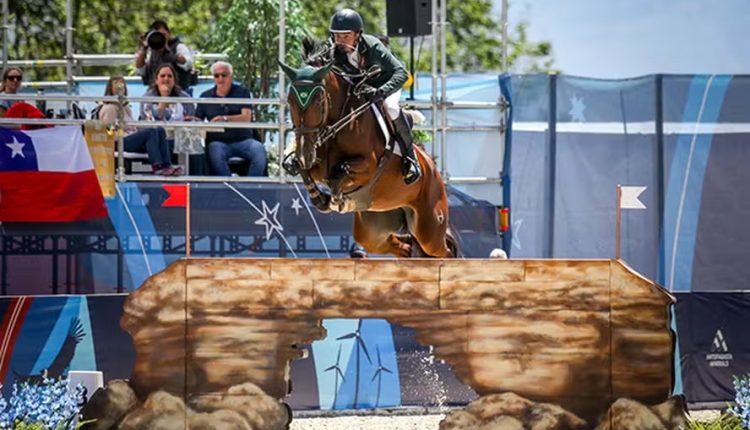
[{"x": 356, "y": 51}]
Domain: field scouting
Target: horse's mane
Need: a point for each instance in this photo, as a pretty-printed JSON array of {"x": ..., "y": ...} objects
[{"x": 315, "y": 52}]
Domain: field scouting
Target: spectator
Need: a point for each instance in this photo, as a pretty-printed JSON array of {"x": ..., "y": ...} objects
[
  {"x": 232, "y": 142},
  {"x": 164, "y": 86},
  {"x": 152, "y": 141},
  {"x": 12, "y": 78},
  {"x": 158, "y": 47}
]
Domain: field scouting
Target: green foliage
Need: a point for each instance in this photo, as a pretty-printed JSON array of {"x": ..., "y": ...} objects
[
  {"x": 723, "y": 422},
  {"x": 249, "y": 34},
  {"x": 19, "y": 425}
]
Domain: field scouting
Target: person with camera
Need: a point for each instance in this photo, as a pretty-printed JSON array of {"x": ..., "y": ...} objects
[{"x": 158, "y": 47}]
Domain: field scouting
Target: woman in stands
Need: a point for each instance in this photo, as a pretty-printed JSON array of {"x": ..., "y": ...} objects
[
  {"x": 151, "y": 140},
  {"x": 12, "y": 78},
  {"x": 164, "y": 85}
]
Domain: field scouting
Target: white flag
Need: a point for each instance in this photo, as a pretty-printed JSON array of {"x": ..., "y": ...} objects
[{"x": 629, "y": 198}]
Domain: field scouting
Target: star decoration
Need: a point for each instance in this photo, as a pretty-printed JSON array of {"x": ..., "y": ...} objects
[
  {"x": 296, "y": 206},
  {"x": 16, "y": 147},
  {"x": 577, "y": 108},
  {"x": 269, "y": 220}
]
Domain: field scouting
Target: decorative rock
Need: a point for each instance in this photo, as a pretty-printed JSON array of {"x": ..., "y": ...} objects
[
  {"x": 160, "y": 411},
  {"x": 108, "y": 405}
]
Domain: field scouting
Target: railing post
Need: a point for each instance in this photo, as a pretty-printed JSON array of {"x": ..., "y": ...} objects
[{"x": 282, "y": 89}]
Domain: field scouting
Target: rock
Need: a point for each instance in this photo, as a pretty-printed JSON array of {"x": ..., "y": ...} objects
[
  {"x": 108, "y": 405},
  {"x": 509, "y": 411},
  {"x": 495, "y": 405},
  {"x": 160, "y": 411},
  {"x": 459, "y": 420},
  {"x": 503, "y": 423},
  {"x": 672, "y": 412},
  {"x": 254, "y": 406},
  {"x": 626, "y": 414},
  {"x": 219, "y": 420}
]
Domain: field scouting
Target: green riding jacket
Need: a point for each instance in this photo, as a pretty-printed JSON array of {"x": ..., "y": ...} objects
[{"x": 372, "y": 52}]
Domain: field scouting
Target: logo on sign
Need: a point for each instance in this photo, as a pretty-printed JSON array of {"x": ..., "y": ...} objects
[{"x": 719, "y": 355}]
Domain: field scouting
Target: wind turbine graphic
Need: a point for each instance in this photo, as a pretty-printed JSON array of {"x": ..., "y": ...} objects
[
  {"x": 360, "y": 344},
  {"x": 379, "y": 374},
  {"x": 337, "y": 371}
]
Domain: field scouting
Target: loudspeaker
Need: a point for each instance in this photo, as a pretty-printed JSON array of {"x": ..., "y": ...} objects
[{"x": 408, "y": 17}]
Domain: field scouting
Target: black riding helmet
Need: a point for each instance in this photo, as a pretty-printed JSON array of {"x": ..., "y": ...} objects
[{"x": 346, "y": 20}]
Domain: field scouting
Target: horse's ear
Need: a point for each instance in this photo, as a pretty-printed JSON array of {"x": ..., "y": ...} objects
[
  {"x": 322, "y": 72},
  {"x": 288, "y": 71}
]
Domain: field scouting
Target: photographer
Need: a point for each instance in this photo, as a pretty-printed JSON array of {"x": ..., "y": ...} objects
[{"x": 158, "y": 47}]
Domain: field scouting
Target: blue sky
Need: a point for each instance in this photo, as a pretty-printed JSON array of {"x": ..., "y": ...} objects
[{"x": 625, "y": 38}]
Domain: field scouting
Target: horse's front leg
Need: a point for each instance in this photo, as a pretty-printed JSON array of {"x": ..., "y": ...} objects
[{"x": 319, "y": 198}]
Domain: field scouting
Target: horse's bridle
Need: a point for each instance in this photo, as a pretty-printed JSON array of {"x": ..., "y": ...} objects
[{"x": 304, "y": 90}]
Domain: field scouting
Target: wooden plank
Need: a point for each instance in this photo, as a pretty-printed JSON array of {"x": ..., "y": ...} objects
[
  {"x": 315, "y": 269},
  {"x": 206, "y": 296},
  {"x": 402, "y": 294},
  {"x": 567, "y": 270},
  {"x": 398, "y": 270},
  {"x": 580, "y": 294},
  {"x": 482, "y": 270},
  {"x": 224, "y": 269}
]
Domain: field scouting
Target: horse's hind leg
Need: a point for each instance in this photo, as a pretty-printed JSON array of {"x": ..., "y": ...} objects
[
  {"x": 429, "y": 225},
  {"x": 378, "y": 232}
]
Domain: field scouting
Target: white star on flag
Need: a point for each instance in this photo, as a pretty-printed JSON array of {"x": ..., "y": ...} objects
[
  {"x": 296, "y": 206},
  {"x": 629, "y": 198},
  {"x": 16, "y": 147},
  {"x": 269, "y": 220}
]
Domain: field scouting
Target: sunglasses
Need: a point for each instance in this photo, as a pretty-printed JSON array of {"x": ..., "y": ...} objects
[
  {"x": 220, "y": 75},
  {"x": 18, "y": 78}
]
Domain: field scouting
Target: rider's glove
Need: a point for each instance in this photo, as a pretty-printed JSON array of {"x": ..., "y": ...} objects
[{"x": 376, "y": 96}]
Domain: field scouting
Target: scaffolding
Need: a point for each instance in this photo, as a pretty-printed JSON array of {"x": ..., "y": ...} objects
[{"x": 438, "y": 105}]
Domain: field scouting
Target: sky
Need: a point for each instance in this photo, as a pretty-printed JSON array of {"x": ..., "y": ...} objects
[{"x": 626, "y": 38}]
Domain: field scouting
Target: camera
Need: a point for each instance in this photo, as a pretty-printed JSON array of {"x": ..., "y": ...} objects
[{"x": 156, "y": 40}]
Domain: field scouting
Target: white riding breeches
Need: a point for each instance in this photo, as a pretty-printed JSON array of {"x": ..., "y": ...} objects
[{"x": 391, "y": 104}]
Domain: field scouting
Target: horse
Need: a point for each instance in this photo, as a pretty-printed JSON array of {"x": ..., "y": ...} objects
[{"x": 348, "y": 165}]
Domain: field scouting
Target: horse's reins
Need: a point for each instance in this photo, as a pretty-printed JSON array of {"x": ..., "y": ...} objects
[{"x": 333, "y": 129}]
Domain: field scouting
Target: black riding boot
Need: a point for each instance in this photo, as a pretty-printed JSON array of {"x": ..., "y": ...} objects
[{"x": 409, "y": 164}]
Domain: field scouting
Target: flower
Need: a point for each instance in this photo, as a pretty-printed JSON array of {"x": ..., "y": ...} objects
[{"x": 50, "y": 404}]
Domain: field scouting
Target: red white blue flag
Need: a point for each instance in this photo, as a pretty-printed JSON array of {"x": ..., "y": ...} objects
[{"x": 47, "y": 176}]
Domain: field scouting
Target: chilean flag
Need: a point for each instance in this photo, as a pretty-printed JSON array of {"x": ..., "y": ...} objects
[{"x": 47, "y": 176}]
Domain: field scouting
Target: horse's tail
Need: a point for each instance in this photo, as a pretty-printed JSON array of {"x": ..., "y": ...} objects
[{"x": 453, "y": 241}]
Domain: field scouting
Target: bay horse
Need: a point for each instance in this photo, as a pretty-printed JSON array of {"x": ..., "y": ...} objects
[{"x": 347, "y": 165}]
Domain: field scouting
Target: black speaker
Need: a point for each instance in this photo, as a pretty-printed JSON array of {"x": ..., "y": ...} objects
[{"x": 408, "y": 17}]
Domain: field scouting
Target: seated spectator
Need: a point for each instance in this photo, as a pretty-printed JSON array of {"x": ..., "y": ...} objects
[
  {"x": 12, "y": 78},
  {"x": 164, "y": 85},
  {"x": 232, "y": 142},
  {"x": 152, "y": 141}
]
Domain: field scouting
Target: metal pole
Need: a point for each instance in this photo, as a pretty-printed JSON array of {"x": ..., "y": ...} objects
[
  {"x": 504, "y": 20},
  {"x": 69, "y": 48},
  {"x": 282, "y": 88},
  {"x": 411, "y": 49},
  {"x": 5, "y": 34},
  {"x": 434, "y": 71},
  {"x": 618, "y": 221},
  {"x": 443, "y": 91}
]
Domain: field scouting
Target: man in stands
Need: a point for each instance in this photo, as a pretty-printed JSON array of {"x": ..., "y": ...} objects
[
  {"x": 159, "y": 46},
  {"x": 232, "y": 142}
]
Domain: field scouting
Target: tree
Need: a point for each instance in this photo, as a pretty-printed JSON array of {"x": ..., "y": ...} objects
[
  {"x": 249, "y": 34},
  {"x": 473, "y": 39}
]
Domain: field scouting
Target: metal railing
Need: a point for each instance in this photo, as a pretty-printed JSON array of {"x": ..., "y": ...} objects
[{"x": 438, "y": 105}]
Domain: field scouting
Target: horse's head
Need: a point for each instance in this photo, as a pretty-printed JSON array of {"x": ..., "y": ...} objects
[{"x": 308, "y": 103}]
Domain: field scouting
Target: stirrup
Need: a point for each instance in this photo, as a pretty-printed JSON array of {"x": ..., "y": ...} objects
[
  {"x": 290, "y": 164},
  {"x": 411, "y": 171}
]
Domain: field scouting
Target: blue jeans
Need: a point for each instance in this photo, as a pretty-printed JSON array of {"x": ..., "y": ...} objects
[
  {"x": 152, "y": 141},
  {"x": 250, "y": 149}
]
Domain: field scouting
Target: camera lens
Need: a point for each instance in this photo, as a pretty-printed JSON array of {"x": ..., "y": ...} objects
[{"x": 156, "y": 40}]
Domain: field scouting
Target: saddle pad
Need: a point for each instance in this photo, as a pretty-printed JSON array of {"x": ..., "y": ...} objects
[{"x": 384, "y": 127}]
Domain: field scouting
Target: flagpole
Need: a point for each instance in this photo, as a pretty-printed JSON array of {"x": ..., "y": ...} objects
[
  {"x": 187, "y": 219},
  {"x": 618, "y": 221}
]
